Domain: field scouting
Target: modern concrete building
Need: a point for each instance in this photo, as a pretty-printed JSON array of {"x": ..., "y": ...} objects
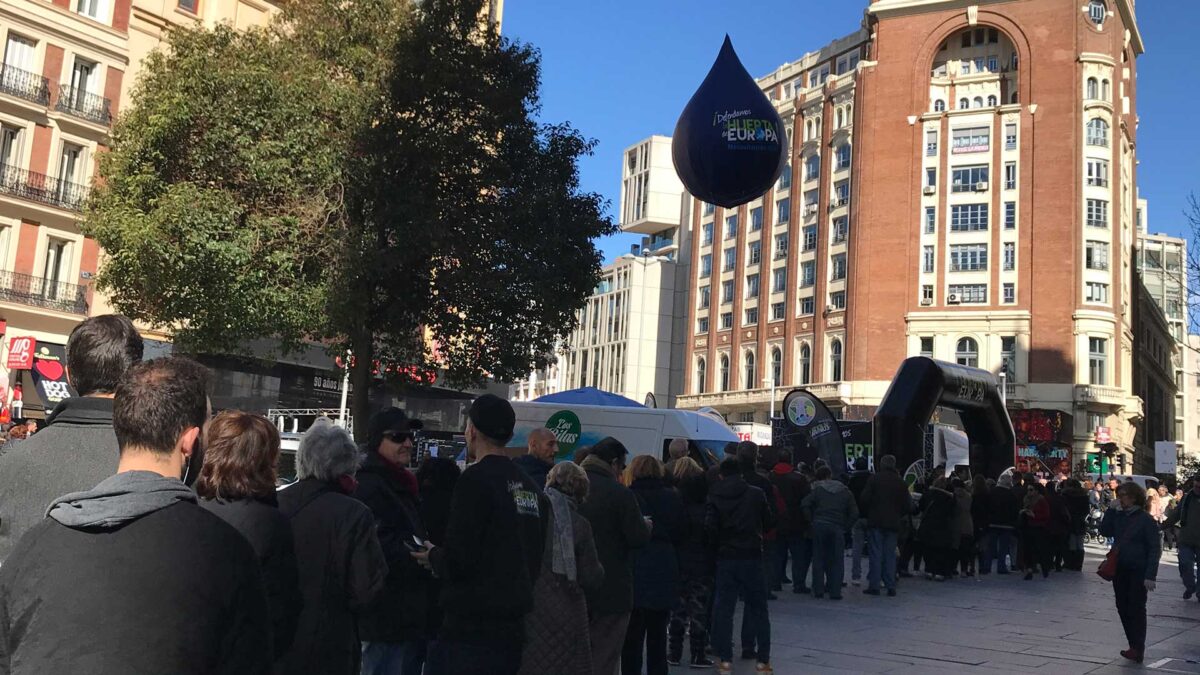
[
  {"x": 1190, "y": 400},
  {"x": 631, "y": 337},
  {"x": 1157, "y": 370},
  {"x": 1162, "y": 262},
  {"x": 927, "y": 149}
]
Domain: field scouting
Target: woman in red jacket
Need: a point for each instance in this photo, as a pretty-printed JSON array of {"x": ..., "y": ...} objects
[{"x": 1035, "y": 539}]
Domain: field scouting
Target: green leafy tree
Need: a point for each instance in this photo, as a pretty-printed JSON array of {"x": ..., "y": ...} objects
[{"x": 363, "y": 174}]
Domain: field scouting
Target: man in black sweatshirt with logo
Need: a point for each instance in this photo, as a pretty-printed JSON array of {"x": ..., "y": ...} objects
[{"x": 492, "y": 554}]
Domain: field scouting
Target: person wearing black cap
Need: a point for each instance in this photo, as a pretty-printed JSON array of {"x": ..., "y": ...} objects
[
  {"x": 618, "y": 527},
  {"x": 491, "y": 556},
  {"x": 393, "y": 629}
]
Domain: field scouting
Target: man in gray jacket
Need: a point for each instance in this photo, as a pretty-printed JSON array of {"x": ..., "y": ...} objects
[
  {"x": 832, "y": 510},
  {"x": 78, "y": 448}
]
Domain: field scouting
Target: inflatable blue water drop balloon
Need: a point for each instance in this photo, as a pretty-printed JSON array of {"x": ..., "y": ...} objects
[{"x": 729, "y": 145}]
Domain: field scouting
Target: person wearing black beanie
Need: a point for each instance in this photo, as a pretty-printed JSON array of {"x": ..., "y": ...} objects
[{"x": 491, "y": 555}]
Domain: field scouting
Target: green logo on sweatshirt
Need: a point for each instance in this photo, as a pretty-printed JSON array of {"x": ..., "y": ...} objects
[{"x": 567, "y": 429}]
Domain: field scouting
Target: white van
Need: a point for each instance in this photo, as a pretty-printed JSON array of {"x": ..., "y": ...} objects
[{"x": 643, "y": 431}]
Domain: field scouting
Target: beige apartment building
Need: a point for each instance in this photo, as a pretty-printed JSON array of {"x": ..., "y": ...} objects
[
  {"x": 67, "y": 66},
  {"x": 927, "y": 149}
]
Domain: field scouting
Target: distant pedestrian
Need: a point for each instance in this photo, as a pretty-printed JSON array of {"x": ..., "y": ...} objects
[
  {"x": 78, "y": 448},
  {"x": 939, "y": 532},
  {"x": 335, "y": 538},
  {"x": 1004, "y": 508},
  {"x": 394, "y": 629},
  {"x": 655, "y": 568},
  {"x": 858, "y": 532},
  {"x": 237, "y": 483},
  {"x": 832, "y": 509},
  {"x": 1034, "y": 526},
  {"x": 980, "y": 512},
  {"x": 886, "y": 502},
  {"x": 1138, "y": 552},
  {"x": 1075, "y": 499},
  {"x": 697, "y": 568},
  {"x": 132, "y": 575},
  {"x": 618, "y": 529},
  {"x": 556, "y": 631},
  {"x": 1187, "y": 519},
  {"x": 737, "y": 516},
  {"x": 751, "y": 458},
  {"x": 541, "y": 448},
  {"x": 790, "y": 541},
  {"x": 492, "y": 553},
  {"x": 966, "y": 529},
  {"x": 1059, "y": 527},
  {"x": 911, "y": 548}
]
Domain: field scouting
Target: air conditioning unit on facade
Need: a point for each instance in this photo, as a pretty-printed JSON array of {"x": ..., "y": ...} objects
[
  {"x": 952, "y": 299},
  {"x": 981, "y": 186},
  {"x": 929, "y": 190},
  {"x": 925, "y": 302},
  {"x": 830, "y": 308},
  {"x": 810, "y": 210}
]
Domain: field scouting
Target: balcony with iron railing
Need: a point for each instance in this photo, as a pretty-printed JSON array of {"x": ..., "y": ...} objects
[
  {"x": 26, "y": 289},
  {"x": 24, "y": 84},
  {"x": 41, "y": 188},
  {"x": 84, "y": 105}
]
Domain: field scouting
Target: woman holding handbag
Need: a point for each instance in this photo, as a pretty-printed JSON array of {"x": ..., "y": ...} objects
[{"x": 1132, "y": 564}]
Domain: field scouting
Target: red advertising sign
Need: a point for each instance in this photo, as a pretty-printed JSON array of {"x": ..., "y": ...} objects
[
  {"x": 20, "y": 353},
  {"x": 1103, "y": 435}
]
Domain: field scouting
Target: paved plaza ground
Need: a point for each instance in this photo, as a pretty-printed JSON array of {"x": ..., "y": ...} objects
[{"x": 999, "y": 624}]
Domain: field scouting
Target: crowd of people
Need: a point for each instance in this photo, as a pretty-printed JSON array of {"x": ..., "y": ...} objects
[{"x": 140, "y": 533}]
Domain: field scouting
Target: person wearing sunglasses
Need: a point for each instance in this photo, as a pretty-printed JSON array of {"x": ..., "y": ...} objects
[{"x": 394, "y": 630}]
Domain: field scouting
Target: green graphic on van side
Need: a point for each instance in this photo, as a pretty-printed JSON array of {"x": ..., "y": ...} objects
[{"x": 567, "y": 429}]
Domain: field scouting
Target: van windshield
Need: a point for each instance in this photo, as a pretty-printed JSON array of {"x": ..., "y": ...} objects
[{"x": 710, "y": 452}]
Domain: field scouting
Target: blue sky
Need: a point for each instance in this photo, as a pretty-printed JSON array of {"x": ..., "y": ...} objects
[{"x": 621, "y": 70}]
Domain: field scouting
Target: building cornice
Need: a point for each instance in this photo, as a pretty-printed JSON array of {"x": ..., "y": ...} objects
[{"x": 885, "y": 8}]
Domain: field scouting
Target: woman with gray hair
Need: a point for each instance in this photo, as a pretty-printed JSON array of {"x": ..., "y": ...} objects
[
  {"x": 556, "y": 631},
  {"x": 341, "y": 564}
]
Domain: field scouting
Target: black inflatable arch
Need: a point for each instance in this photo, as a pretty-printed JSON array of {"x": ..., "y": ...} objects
[{"x": 921, "y": 385}]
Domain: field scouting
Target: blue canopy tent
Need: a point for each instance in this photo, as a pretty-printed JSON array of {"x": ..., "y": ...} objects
[{"x": 588, "y": 396}]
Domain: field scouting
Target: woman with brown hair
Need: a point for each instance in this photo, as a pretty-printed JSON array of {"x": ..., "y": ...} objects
[
  {"x": 655, "y": 568},
  {"x": 237, "y": 484},
  {"x": 1135, "y": 540}
]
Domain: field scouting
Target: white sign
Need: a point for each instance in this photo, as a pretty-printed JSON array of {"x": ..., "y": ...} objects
[
  {"x": 1166, "y": 457},
  {"x": 759, "y": 434},
  {"x": 952, "y": 448}
]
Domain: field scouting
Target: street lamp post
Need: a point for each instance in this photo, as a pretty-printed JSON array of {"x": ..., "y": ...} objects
[
  {"x": 345, "y": 392},
  {"x": 769, "y": 381}
]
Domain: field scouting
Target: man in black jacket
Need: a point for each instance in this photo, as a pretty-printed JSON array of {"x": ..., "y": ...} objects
[
  {"x": 133, "y": 576},
  {"x": 77, "y": 449},
  {"x": 1005, "y": 505},
  {"x": 885, "y": 502},
  {"x": 618, "y": 528},
  {"x": 492, "y": 554},
  {"x": 736, "y": 519},
  {"x": 393, "y": 629},
  {"x": 537, "y": 462}
]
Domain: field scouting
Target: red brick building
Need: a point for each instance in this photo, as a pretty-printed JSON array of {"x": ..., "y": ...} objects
[{"x": 963, "y": 186}]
